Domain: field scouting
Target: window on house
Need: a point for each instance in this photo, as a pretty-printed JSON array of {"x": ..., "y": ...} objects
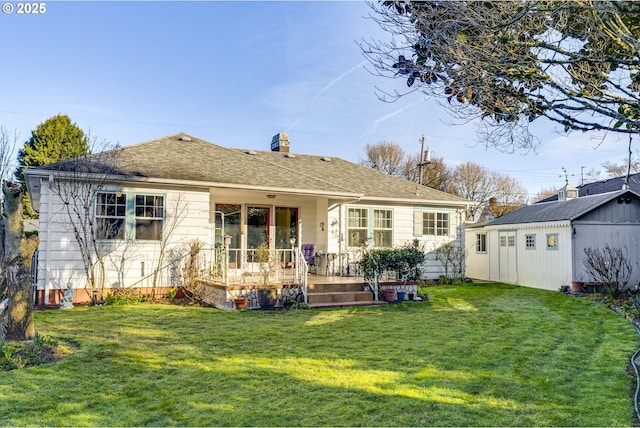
[
  {"x": 436, "y": 224},
  {"x": 530, "y": 242},
  {"x": 149, "y": 217},
  {"x": 552, "y": 241},
  {"x": 111, "y": 212},
  {"x": 382, "y": 228},
  {"x": 503, "y": 241},
  {"x": 357, "y": 226},
  {"x": 511, "y": 241},
  {"x": 481, "y": 242}
]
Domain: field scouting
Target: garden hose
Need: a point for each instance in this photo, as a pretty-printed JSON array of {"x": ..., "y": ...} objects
[{"x": 635, "y": 369}]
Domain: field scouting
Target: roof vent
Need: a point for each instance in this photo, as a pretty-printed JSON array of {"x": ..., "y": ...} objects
[
  {"x": 250, "y": 152},
  {"x": 184, "y": 138},
  {"x": 326, "y": 159},
  {"x": 289, "y": 155}
]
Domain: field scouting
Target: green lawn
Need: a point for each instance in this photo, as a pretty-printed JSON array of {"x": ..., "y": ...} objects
[{"x": 474, "y": 355}]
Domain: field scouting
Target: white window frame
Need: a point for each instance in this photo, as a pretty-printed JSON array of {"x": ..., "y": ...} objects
[
  {"x": 481, "y": 242},
  {"x": 383, "y": 226},
  {"x": 114, "y": 213},
  {"x": 150, "y": 212}
]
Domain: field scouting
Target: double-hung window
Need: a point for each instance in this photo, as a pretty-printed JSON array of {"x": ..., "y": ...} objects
[
  {"x": 149, "y": 217},
  {"x": 111, "y": 213},
  {"x": 370, "y": 223},
  {"x": 357, "y": 226},
  {"x": 382, "y": 228}
]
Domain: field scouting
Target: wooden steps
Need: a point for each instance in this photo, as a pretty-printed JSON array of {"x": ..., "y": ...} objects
[{"x": 340, "y": 295}]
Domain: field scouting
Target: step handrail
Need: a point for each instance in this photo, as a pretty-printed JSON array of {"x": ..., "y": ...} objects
[{"x": 376, "y": 283}]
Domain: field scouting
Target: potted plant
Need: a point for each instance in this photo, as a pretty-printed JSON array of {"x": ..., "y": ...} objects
[
  {"x": 577, "y": 285},
  {"x": 389, "y": 295},
  {"x": 266, "y": 297},
  {"x": 241, "y": 302}
]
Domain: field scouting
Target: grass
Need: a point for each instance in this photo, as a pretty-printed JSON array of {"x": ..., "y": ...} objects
[{"x": 474, "y": 355}]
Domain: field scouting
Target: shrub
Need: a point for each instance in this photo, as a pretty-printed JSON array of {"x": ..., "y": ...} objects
[
  {"x": 609, "y": 266},
  {"x": 123, "y": 296},
  {"x": 406, "y": 261},
  {"x": 453, "y": 259}
]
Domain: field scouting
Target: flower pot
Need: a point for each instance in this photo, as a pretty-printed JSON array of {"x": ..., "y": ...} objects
[
  {"x": 576, "y": 286},
  {"x": 402, "y": 295},
  {"x": 389, "y": 295},
  {"x": 267, "y": 298},
  {"x": 241, "y": 302}
]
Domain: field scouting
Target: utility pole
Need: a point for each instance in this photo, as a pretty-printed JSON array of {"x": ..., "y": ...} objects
[{"x": 425, "y": 159}]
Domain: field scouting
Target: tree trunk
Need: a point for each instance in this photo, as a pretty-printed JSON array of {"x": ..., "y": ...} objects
[{"x": 17, "y": 277}]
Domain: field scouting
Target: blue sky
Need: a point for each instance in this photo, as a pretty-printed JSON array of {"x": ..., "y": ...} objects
[{"x": 236, "y": 73}]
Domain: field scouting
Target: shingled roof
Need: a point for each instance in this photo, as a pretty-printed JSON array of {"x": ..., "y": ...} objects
[
  {"x": 557, "y": 210},
  {"x": 603, "y": 186},
  {"x": 185, "y": 158}
]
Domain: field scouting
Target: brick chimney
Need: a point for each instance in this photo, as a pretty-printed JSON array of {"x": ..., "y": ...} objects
[{"x": 280, "y": 143}]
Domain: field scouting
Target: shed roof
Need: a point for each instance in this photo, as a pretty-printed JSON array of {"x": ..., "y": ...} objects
[{"x": 557, "y": 210}]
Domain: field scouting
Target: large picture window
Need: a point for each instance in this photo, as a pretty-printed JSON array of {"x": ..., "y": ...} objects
[
  {"x": 111, "y": 213},
  {"x": 149, "y": 217}
]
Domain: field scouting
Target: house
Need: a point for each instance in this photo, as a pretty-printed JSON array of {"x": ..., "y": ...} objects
[
  {"x": 542, "y": 245},
  {"x": 604, "y": 186},
  {"x": 149, "y": 201}
]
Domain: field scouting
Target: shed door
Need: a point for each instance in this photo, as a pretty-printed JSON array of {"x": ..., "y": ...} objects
[{"x": 507, "y": 257}]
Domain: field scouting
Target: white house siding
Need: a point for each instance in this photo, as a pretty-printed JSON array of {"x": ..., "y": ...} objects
[
  {"x": 405, "y": 231},
  {"x": 124, "y": 263}
]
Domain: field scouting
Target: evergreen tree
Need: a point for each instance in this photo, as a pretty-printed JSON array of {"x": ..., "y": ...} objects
[{"x": 56, "y": 139}]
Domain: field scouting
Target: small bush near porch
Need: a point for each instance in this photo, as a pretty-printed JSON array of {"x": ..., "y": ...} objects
[{"x": 473, "y": 355}]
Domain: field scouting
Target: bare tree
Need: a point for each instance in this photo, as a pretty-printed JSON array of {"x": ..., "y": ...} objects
[
  {"x": 512, "y": 62},
  {"x": 384, "y": 156},
  {"x": 175, "y": 216},
  {"x": 618, "y": 170},
  {"x": 474, "y": 182},
  {"x": 435, "y": 174},
  {"x": 545, "y": 193},
  {"x": 609, "y": 266},
  {"x": 510, "y": 195},
  {"x": 77, "y": 183}
]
